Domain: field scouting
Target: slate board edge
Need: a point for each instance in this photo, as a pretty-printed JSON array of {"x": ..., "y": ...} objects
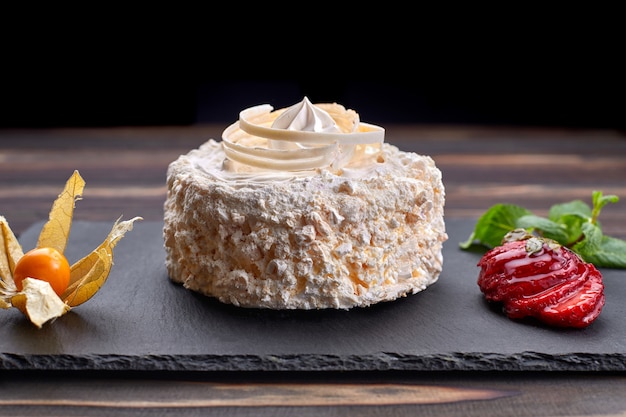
[
  {"x": 377, "y": 361},
  {"x": 525, "y": 361}
]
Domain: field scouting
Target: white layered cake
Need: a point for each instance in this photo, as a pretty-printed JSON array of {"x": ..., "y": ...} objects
[{"x": 303, "y": 208}]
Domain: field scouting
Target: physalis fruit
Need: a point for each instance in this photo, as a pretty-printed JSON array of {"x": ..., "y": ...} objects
[
  {"x": 41, "y": 283},
  {"x": 46, "y": 264}
]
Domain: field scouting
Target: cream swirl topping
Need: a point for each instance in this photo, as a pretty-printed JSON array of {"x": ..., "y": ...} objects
[
  {"x": 307, "y": 117},
  {"x": 301, "y": 137}
]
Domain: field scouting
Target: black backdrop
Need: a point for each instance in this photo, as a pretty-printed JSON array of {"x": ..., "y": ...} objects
[
  {"x": 549, "y": 100},
  {"x": 541, "y": 69},
  {"x": 523, "y": 64}
]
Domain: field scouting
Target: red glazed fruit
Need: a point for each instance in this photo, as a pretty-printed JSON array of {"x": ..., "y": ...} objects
[{"x": 539, "y": 278}]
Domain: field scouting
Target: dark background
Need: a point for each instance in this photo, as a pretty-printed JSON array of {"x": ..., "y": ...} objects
[
  {"x": 559, "y": 99},
  {"x": 562, "y": 69}
]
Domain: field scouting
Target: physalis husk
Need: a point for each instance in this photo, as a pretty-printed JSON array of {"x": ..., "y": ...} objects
[{"x": 37, "y": 300}]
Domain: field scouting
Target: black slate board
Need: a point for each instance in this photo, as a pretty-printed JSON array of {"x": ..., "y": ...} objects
[{"x": 141, "y": 321}]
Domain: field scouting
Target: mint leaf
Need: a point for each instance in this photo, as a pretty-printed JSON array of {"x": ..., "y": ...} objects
[
  {"x": 545, "y": 227},
  {"x": 599, "y": 201},
  {"x": 576, "y": 207},
  {"x": 601, "y": 250},
  {"x": 591, "y": 242},
  {"x": 497, "y": 221},
  {"x": 573, "y": 224},
  {"x": 610, "y": 254},
  {"x": 571, "y": 215}
]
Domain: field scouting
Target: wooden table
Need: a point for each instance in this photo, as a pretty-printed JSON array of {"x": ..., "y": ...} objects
[{"x": 124, "y": 169}]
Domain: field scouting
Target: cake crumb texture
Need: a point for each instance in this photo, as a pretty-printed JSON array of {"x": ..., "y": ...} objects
[{"x": 307, "y": 242}]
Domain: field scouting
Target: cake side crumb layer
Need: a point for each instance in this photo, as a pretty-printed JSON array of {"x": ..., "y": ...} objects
[{"x": 310, "y": 242}]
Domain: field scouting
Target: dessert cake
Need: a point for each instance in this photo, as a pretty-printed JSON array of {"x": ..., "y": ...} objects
[{"x": 304, "y": 207}]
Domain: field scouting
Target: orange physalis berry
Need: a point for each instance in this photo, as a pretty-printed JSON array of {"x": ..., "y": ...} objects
[{"x": 45, "y": 264}]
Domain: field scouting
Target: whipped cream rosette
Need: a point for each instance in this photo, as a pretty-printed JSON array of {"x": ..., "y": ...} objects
[{"x": 301, "y": 137}]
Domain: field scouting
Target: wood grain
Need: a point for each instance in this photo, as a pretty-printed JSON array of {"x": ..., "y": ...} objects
[
  {"x": 125, "y": 168},
  {"x": 398, "y": 394},
  {"x": 268, "y": 394}
]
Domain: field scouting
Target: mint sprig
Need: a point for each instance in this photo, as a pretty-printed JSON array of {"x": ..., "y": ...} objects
[{"x": 574, "y": 225}]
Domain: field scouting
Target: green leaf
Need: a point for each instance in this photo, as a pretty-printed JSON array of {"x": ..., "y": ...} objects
[
  {"x": 599, "y": 201},
  {"x": 497, "y": 221},
  {"x": 610, "y": 254},
  {"x": 591, "y": 241},
  {"x": 573, "y": 224},
  {"x": 545, "y": 227},
  {"x": 576, "y": 207}
]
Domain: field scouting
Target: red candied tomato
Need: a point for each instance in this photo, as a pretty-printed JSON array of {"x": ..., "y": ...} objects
[{"x": 539, "y": 278}]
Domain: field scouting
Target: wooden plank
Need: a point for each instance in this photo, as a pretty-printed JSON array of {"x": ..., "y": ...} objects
[{"x": 492, "y": 394}]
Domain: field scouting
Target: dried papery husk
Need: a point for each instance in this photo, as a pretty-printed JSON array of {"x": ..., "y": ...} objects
[
  {"x": 10, "y": 252},
  {"x": 89, "y": 274},
  {"x": 39, "y": 302},
  {"x": 56, "y": 231}
]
